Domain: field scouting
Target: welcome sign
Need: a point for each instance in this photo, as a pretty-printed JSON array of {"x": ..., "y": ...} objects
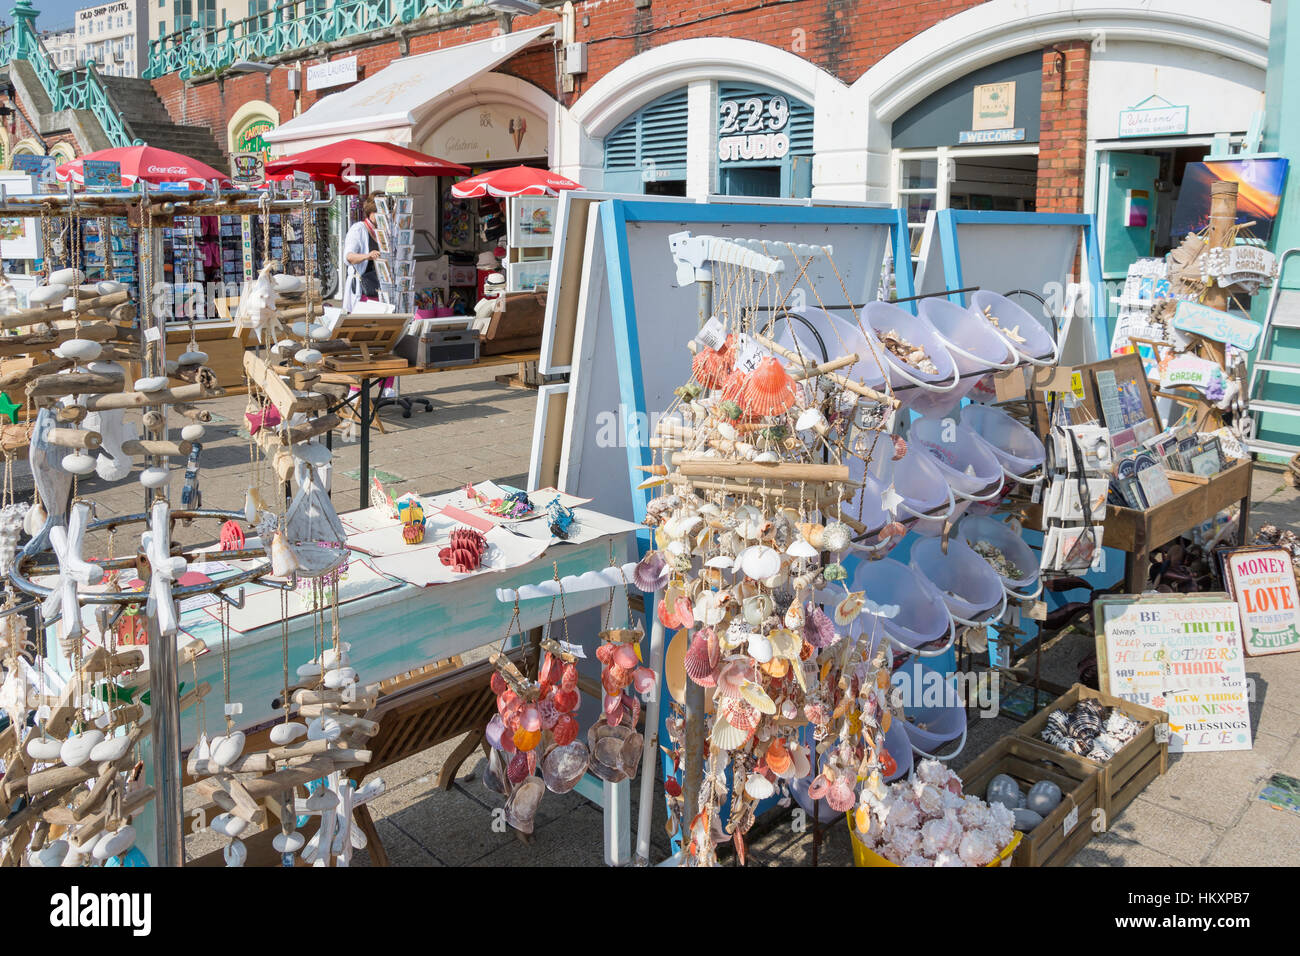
[
  {"x": 1263, "y": 582},
  {"x": 1181, "y": 654}
]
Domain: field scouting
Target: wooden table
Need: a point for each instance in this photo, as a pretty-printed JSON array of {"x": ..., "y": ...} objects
[
  {"x": 366, "y": 410},
  {"x": 1196, "y": 500}
]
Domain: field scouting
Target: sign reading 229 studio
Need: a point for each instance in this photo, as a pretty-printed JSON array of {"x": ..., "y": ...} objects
[{"x": 753, "y": 128}]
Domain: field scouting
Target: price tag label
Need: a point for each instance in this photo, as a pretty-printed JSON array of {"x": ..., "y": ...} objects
[
  {"x": 712, "y": 335},
  {"x": 69, "y": 303},
  {"x": 574, "y": 649},
  {"x": 1037, "y": 496},
  {"x": 234, "y": 709},
  {"x": 1071, "y": 821},
  {"x": 748, "y": 353},
  {"x": 1162, "y": 733},
  {"x": 152, "y": 335},
  {"x": 42, "y": 713}
]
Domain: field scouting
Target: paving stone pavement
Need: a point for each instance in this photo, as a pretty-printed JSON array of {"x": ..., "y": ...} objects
[{"x": 1205, "y": 811}]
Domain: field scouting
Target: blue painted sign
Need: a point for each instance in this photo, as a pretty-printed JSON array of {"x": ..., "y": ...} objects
[
  {"x": 42, "y": 167},
  {"x": 101, "y": 174},
  {"x": 1213, "y": 324}
]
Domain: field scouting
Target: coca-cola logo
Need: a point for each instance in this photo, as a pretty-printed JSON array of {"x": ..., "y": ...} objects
[{"x": 167, "y": 169}]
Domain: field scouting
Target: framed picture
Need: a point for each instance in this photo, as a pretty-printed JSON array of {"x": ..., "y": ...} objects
[
  {"x": 1263, "y": 583},
  {"x": 534, "y": 221},
  {"x": 1207, "y": 459}
]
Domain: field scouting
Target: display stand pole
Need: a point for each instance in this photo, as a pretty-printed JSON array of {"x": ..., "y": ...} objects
[
  {"x": 649, "y": 761},
  {"x": 694, "y": 736}
]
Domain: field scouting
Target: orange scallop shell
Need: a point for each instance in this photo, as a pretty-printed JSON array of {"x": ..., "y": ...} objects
[
  {"x": 778, "y": 758},
  {"x": 712, "y": 366},
  {"x": 769, "y": 389}
]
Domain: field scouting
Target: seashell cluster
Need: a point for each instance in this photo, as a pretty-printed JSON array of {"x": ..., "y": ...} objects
[
  {"x": 928, "y": 821},
  {"x": 1090, "y": 730}
]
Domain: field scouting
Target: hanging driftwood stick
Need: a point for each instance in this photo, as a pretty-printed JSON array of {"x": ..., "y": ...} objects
[
  {"x": 70, "y": 414},
  {"x": 193, "y": 413},
  {"x": 18, "y": 377},
  {"x": 74, "y": 383},
  {"x": 775, "y": 471},
  {"x": 74, "y": 438},
  {"x": 295, "y": 434},
  {"x": 855, "y": 387},
  {"x": 174, "y": 449},
  {"x": 166, "y": 396}
]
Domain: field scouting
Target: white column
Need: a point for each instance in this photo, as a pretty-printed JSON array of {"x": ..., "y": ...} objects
[{"x": 701, "y": 138}]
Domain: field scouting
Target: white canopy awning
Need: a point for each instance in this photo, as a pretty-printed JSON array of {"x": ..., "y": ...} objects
[{"x": 385, "y": 106}]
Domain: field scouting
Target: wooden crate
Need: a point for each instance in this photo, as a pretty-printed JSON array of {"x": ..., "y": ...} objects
[
  {"x": 1028, "y": 762},
  {"x": 1138, "y": 762},
  {"x": 1195, "y": 501}
]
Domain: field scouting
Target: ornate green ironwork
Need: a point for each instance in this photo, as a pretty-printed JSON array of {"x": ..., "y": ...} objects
[
  {"x": 198, "y": 50},
  {"x": 79, "y": 89}
]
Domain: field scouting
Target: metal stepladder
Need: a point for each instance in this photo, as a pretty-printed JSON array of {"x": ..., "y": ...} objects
[{"x": 1268, "y": 373}]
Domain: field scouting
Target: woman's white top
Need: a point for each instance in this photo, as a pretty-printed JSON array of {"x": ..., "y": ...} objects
[{"x": 356, "y": 241}]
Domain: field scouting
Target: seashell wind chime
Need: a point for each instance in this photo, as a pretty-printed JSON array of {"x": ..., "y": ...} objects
[
  {"x": 749, "y": 533},
  {"x": 73, "y": 782}
]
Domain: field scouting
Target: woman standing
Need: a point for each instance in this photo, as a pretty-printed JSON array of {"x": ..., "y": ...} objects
[{"x": 360, "y": 251}]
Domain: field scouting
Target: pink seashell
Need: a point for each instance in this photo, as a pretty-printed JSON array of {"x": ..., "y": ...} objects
[
  {"x": 740, "y": 713},
  {"x": 819, "y": 787},
  {"x": 632, "y": 708},
  {"x": 900, "y": 447},
  {"x": 605, "y": 653},
  {"x": 625, "y": 656},
  {"x": 697, "y": 664},
  {"x": 495, "y": 728},
  {"x": 685, "y": 613},
  {"x": 643, "y": 679},
  {"x": 652, "y": 573},
  {"x": 530, "y": 718},
  {"x": 840, "y": 796},
  {"x": 976, "y": 848},
  {"x": 894, "y": 529},
  {"x": 508, "y": 741},
  {"x": 943, "y": 834},
  {"x": 818, "y": 628},
  {"x": 517, "y": 770},
  {"x": 613, "y": 707},
  {"x": 549, "y": 713},
  {"x": 732, "y": 675}
]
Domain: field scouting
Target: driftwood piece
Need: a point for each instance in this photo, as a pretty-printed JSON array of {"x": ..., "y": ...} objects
[
  {"x": 19, "y": 377},
  {"x": 74, "y": 438},
  {"x": 74, "y": 383},
  {"x": 175, "y": 449},
  {"x": 166, "y": 396},
  {"x": 193, "y": 413}
]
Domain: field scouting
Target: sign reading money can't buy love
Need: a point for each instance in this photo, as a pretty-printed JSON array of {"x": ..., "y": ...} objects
[{"x": 1263, "y": 581}]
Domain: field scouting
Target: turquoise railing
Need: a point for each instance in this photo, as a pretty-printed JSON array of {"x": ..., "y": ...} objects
[
  {"x": 78, "y": 89},
  {"x": 289, "y": 26},
  {"x": 6, "y": 45}
]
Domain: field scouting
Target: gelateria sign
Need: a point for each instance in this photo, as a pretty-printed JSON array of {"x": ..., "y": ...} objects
[
  {"x": 489, "y": 133},
  {"x": 753, "y": 128},
  {"x": 250, "y": 138}
]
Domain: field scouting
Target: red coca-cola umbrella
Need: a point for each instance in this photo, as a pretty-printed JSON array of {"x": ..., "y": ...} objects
[
  {"x": 514, "y": 181},
  {"x": 149, "y": 163},
  {"x": 343, "y": 187},
  {"x": 359, "y": 157}
]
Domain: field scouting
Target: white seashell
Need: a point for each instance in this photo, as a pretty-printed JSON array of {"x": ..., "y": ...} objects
[
  {"x": 720, "y": 561},
  {"x": 47, "y": 294},
  {"x": 284, "y": 561},
  {"x": 35, "y": 519},
  {"x": 52, "y": 855},
  {"x": 78, "y": 464},
  {"x": 308, "y": 356},
  {"x": 800, "y": 548},
  {"x": 81, "y": 350},
  {"x": 759, "y": 787},
  {"x": 235, "y": 854},
  {"x": 725, "y": 736},
  {"x": 339, "y": 677},
  {"x": 810, "y": 418},
  {"x": 203, "y": 749},
  {"x": 324, "y": 728},
  {"x": 766, "y": 457},
  {"x": 107, "y": 751},
  {"x": 287, "y": 733},
  {"x": 67, "y": 277},
  {"x": 745, "y": 450},
  {"x": 727, "y": 431},
  {"x": 43, "y": 748},
  {"x": 192, "y": 358},
  {"x": 226, "y": 750},
  {"x": 115, "y": 843},
  {"x": 152, "y": 383},
  {"x": 227, "y": 824},
  {"x": 250, "y": 507},
  {"x": 310, "y": 669},
  {"x": 154, "y": 477},
  {"x": 108, "y": 287},
  {"x": 335, "y": 658},
  {"x": 761, "y": 562},
  {"x": 288, "y": 842},
  {"x": 76, "y": 749},
  {"x": 759, "y": 648},
  {"x": 194, "y": 432}
]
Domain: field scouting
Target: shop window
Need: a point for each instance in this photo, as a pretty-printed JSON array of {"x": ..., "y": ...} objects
[
  {"x": 765, "y": 143},
  {"x": 647, "y": 152}
]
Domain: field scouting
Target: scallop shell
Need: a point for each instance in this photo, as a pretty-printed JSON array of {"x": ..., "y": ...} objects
[
  {"x": 521, "y": 807},
  {"x": 847, "y": 611},
  {"x": 563, "y": 767},
  {"x": 760, "y": 562},
  {"x": 726, "y": 736},
  {"x": 840, "y": 796},
  {"x": 759, "y": 787},
  {"x": 754, "y": 694},
  {"x": 651, "y": 573},
  {"x": 701, "y": 660},
  {"x": 740, "y": 713}
]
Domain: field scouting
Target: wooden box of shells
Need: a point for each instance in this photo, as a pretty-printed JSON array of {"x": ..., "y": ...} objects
[
  {"x": 1063, "y": 832},
  {"x": 1132, "y": 766}
]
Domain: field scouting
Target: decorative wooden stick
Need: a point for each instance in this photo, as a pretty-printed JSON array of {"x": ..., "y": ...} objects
[
  {"x": 766, "y": 471},
  {"x": 166, "y": 396},
  {"x": 74, "y": 438},
  {"x": 855, "y": 387},
  {"x": 74, "y": 383},
  {"x": 173, "y": 449}
]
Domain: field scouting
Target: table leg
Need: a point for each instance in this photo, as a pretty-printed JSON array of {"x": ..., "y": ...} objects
[
  {"x": 1137, "y": 567},
  {"x": 447, "y": 776},
  {"x": 378, "y": 855},
  {"x": 365, "y": 443},
  {"x": 1243, "y": 522}
]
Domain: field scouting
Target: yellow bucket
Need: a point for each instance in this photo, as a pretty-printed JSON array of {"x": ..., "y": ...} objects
[{"x": 863, "y": 855}]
